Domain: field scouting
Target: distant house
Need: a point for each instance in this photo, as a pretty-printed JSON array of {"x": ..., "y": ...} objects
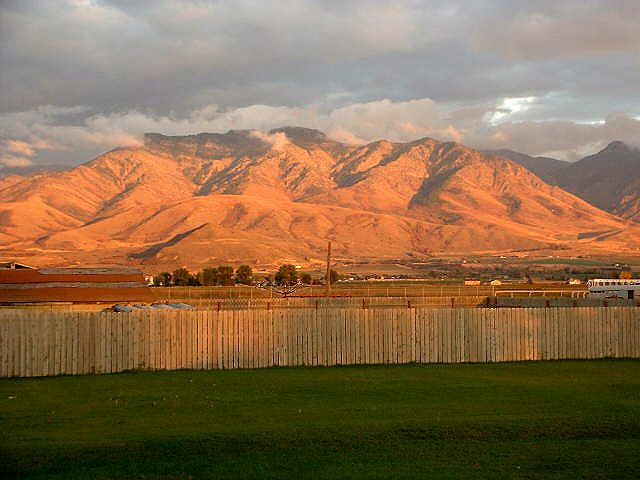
[
  {"x": 21, "y": 284},
  {"x": 495, "y": 283},
  {"x": 575, "y": 281},
  {"x": 472, "y": 282},
  {"x": 13, "y": 266}
]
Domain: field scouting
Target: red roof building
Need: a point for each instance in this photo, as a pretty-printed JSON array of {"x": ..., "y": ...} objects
[{"x": 23, "y": 284}]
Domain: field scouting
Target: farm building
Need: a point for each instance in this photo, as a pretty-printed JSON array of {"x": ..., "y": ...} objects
[
  {"x": 495, "y": 283},
  {"x": 20, "y": 284},
  {"x": 472, "y": 282}
]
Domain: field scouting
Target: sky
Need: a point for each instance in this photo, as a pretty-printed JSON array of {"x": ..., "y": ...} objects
[{"x": 552, "y": 78}]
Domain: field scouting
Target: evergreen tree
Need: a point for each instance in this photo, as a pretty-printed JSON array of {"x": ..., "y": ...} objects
[
  {"x": 225, "y": 275},
  {"x": 163, "y": 279},
  {"x": 287, "y": 275},
  {"x": 244, "y": 275},
  {"x": 181, "y": 277},
  {"x": 209, "y": 276}
]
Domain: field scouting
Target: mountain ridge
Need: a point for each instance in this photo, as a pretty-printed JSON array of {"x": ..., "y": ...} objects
[
  {"x": 261, "y": 197},
  {"x": 608, "y": 179}
]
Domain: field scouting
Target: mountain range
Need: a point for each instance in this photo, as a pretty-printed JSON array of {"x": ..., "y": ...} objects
[
  {"x": 609, "y": 179},
  {"x": 267, "y": 197}
]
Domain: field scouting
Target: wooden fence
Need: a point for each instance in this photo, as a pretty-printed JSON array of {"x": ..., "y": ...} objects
[{"x": 45, "y": 343}]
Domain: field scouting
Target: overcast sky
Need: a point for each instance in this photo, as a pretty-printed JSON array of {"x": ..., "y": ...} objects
[{"x": 555, "y": 78}]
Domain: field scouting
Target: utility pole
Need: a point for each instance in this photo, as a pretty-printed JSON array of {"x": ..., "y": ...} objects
[{"x": 329, "y": 268}]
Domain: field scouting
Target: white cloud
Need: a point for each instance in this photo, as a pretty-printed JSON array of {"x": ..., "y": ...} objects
[
  {"x": 29, "y": 134},
  {"x": 277, "y": 140},
  {"x": 14, "y": 161},
  {"x": 19, "y": 153},
  {"x": 568, "y": 140},
  {"x": 23, "y": 148},
  {"x": 509, "y": 107},
  {"x": 361, "y": 122}
]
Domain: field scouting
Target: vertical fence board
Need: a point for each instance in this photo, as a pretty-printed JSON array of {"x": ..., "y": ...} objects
[
  {"x": 266, "y": 326},
  {"x": 6, "y": 340},
  {"x": 590, "y": 334},
  {"x": 635, "y": 322},
  {"x": 552, "y": 334},
  {"x": 219, "y": 337},
  {"x": 269, "y": 333},
  {"x": 5, "y": 346},
  {"x": 229, "y": 332},
  {"x": 204, "y": 340},
  {"x": 293, "y": 337},
  {"x": 68, "y": 338},
  {"x": 288, "y": 337},
  {"x": 583, "y": 336},
  {"x": 170, "y": 344},
  {"x": 211, "y": 340},
  {"x": 381, "y": 337},
  {"x": 514, "y": 336},
  {"x": 234, "y": 346},
  {"x": 387, "y": 326},
  {"x": 244, "y": 332},
  {"x": 276, "y": 329},
  {"x": 604, "y": 332},
  {"x": 253, "y": 345},
  {"x": 430, "y": 352},
  {"x": 158, "y": 321},
  {"x": 420, "y": 335}
]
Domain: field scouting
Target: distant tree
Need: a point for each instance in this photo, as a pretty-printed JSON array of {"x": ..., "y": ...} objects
[
  {"x": 225, "y": 275},
  {"x": 333, "y": 276},
  {"x": 163, "y": 279},
  {"x": 527, "y": 277},
  {"x": 209, "y": 276},
  {"x": 194, "y": 280},
  {"x": 287, "y": 275},
  {"x": 244, "y": 275},
  {"x": 181, "y": 277},
  {"x": 306, "y": 278}
]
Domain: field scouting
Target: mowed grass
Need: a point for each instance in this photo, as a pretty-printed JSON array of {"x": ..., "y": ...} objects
[{"x": 562, "y": 419}]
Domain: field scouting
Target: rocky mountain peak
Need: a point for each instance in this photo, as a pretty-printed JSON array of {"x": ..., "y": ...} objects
[{"x": 616, "y": 147}]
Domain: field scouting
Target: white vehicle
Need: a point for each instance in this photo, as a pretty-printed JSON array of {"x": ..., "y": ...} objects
[{"x": 614, "y": 288}]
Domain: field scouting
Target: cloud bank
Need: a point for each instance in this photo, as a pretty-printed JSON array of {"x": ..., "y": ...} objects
[
  {"x": 45, "y": 129},
  {"x": 543, "y": 77}
]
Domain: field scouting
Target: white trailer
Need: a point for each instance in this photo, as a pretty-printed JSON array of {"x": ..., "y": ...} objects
[{"x": 624, "y": 288}]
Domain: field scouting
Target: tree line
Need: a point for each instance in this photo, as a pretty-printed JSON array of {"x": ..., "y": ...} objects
[{"x": 225, "y": 275}]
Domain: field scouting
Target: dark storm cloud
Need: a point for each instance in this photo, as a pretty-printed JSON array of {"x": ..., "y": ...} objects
[{"x": 88, "y": 75}]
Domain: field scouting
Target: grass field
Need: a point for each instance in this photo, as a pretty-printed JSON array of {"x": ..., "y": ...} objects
[{"x": 562, "y": 419}]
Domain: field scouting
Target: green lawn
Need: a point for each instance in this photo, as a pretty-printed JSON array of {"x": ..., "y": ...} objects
[{"x": 563, "y": 419}]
